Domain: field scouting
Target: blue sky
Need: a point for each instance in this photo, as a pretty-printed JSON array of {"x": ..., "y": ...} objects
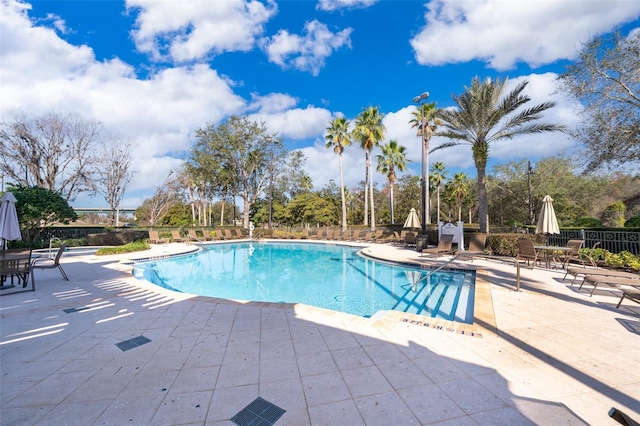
[{"x": 154, "y": 72}]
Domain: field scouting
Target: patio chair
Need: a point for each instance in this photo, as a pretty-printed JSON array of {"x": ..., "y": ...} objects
[
  {"x": 16, "y": 264},
  {"x": 375, "y": 238},
  {"x": 49, "y": 263},
  {"x": 477, "y": 245},
  {"x": 154, "y": 238},
  {"x": 192, "y": 236},
  {"x": 176, "y": 237},
  {"x": 228, "y": 235},
  {"x": 527, "y": 251},
  {"x": 238, "y": 232},
  {"x": 444, "y": 246},
  {"x": 597, "y": 272},
  {"x": 393, "y": 238},
  {"x": 573, "y": 254}
]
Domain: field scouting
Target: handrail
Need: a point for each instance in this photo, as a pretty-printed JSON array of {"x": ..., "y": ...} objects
[
  {"x": 486, "y": 256},
  {"x": 51, "y": 255}
]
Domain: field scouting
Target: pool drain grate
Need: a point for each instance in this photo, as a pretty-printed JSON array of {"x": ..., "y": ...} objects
[
  {"x": 78, "y": 309},
  {"x": 132, "y": 343},
  {"x": 259, "y": 412}
]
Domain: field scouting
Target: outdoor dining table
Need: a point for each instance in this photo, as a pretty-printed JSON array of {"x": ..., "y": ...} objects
[{"x": 548, "y": 250}]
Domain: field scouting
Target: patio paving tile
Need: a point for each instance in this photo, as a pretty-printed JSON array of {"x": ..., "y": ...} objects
[{"x": 553, "y": 356}]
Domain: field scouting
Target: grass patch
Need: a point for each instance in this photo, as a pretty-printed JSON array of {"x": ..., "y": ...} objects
[{"x": 131, "y": 247}]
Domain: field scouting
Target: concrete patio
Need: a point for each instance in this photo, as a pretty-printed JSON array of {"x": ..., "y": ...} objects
[{"x": 549, "y": 354}]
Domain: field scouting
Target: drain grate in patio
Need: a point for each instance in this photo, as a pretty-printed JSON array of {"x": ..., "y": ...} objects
[
  {"x": 78, "y": 309},
  {"x": 259, "y": 412},
  {"x": 132, "y": 343}
]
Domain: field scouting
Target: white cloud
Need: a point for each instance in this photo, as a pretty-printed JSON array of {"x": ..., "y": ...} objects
[
  {"x": 503, "y": 33},
  {"x": 298, "y": 123},
  {"x": 308, "y": 52},
  {"x": 273, "y": 102},
  {"x": 190, "y": 30},
  {"x": 330, "y": 5}
]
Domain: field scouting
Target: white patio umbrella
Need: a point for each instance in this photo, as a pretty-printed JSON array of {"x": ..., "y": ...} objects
[
  {"x": 9, "y": 226},
  {"x": 412, "y": 220},
  {"x": 547, "y": 221}
]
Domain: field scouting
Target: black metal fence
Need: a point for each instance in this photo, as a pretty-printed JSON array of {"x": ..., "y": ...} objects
[{"x": 613, "y": 241}]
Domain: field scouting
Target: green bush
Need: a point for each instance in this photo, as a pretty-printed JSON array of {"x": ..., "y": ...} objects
[
  {"x": 633, "y": 222},
  {"x": 507, "y": 244},
  {"x": 587, "y": 222},
  {"x": 134, "y": 246}
]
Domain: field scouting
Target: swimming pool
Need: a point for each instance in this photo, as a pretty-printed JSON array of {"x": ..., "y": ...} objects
[{"x": 334, "y": 277}]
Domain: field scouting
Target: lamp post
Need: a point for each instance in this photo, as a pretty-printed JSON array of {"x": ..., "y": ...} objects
[{"x": 426, "y": 217}]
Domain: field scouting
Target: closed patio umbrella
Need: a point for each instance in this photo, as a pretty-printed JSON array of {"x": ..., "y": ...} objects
[
  {"x": 9, "y": 226},
  {"x": 412, "y": 220},
  {"x": 547, "y": 221}
]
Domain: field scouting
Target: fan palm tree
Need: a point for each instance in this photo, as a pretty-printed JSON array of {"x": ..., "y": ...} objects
[
  {"x": 393, "y": 155},
  {"x": 338, "y": 137},
  {"x": 437, "y": 177},
  {"x": 425, "y": 118},
  {"x": 485, "y": 114},
  {"x": 458, "y": 189},
  {"x": 369, "y": 130}
]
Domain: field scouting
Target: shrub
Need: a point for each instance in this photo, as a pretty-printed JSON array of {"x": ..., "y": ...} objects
[
  {"x": 633, "y": 222},
  {"x": 587, "y": 222},
  {"x": 134, "y": 246}
]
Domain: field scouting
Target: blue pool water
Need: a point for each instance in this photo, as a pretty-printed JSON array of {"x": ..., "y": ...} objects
[{"x": 327, "y": 276}]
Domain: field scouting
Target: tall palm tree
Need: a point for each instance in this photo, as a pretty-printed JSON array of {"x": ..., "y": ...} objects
[
  {"x": 338, "y": 137},
  {"x": 425, "y": 118},
  {"x": 458, "y": 189},
  {"x": 393, "y": 155},
  {"x": 437, "y": 177},
  {"x": 485, "y": 114},
  {"x": 369, "y": 130}
]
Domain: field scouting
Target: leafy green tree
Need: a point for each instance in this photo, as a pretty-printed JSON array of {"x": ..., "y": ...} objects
[
  {"x": 484, "y": 115},
  {"x": 369, "y": 130},
  {"x": 437, "y": 177},
  {"x": 605, "y": 79},
  {"x": 393, "y": 155},
  {"x": 247, "y": 151},
  {"x": 338, "y": 137},
  {"x": 425, "y": 118},
  {"x": 39, "y": 209},
  {"x": 408, "y": 195}
]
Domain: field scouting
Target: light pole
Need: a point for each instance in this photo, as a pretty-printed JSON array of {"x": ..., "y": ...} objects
[{"x": 422, "y": 131}]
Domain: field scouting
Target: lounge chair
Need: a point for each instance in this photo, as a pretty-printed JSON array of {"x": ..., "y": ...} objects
[
  {"x": 477, "y": 245},
  {"x": 616, "y": 282},
  {"x": 228, "y": 235},
  {"x": 444, "y": 246},
  {"x": 410, "y": 239},
  {"x": 304, "y": 234},
  {"x": 49, "y": 263},
  {"x": 576, "y": 271},
  {"x": 527, "y": 251},
  {"x": 375, "y": 238},
  {"x": 631, "y": 295},
  {"x": 393, "y": 238},
  {"x": 176, "y": 237},
  {"x": 207, "y": 235},
  {"x": 154, "y": 238},
  {"x": 192, "y": 236},
  {"x": 238, "y": 232}
]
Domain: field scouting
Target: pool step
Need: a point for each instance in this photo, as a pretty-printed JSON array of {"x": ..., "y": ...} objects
[{"x": 437, "y": 296}]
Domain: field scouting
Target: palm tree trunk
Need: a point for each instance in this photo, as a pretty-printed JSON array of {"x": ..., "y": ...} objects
[
  {"x": 344, "y": 202},
  {"x": 438, "y": 201},
  {"x": 483, "y": 208},
  {"x": 373, "y": 213},
  {"x": 366, "y": 188},
  {"x": 391, "y": 201}
]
